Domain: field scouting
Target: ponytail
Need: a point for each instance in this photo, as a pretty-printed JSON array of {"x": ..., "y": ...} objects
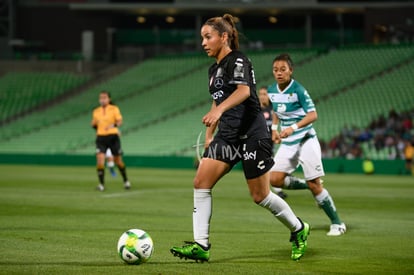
[{"x": 226, "y": 24}]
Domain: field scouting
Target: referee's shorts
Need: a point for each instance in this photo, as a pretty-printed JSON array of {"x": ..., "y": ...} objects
[{"x": 110, "y": 141}]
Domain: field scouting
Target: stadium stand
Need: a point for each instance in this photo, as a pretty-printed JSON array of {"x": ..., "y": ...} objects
[
  {"x": 139, "y": 79},
  {"x": 341, "y": 68},
  {"x": 362, "y": 104},
  {"x": 20, "y": 91},
  {"x": 163, "y": 100}
]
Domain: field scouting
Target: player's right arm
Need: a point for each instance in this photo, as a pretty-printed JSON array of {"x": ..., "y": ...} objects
[{"x": 210, "y": 130}]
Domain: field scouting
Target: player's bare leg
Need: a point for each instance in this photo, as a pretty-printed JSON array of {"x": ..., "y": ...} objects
[
  {"x": 208, "y": 174},
  {"x": 122, "y": 169},
  {"x": 100, "y": 167}
]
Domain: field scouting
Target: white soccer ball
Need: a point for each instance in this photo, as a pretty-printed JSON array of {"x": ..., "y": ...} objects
[{"x": 135, "y": 246}]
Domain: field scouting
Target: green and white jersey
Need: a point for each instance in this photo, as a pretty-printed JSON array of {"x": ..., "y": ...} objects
[{"x": 291, "y": 105}]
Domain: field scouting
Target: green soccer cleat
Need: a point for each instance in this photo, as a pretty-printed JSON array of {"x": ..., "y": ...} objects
[
  {"x": 299, "y": 241},
  {"x": 193, "y": 251}
]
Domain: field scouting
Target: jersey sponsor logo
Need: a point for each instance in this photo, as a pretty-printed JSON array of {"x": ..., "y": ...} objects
[
  {"x": 283, "y": 97},
  {"x": 217, "y": 95},
  {"x": 250, "y": 155},
  {"x": 218, "y": 83},
  {"x": 292, "y": 98},
  {"x": 281, "y": 108}
]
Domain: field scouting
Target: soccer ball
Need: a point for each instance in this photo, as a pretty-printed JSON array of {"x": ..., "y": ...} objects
[{"x": 135, "y": 246}]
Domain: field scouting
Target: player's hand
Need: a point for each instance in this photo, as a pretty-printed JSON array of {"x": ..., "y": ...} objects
[
  {"x": 286, "y": 132},
  {"x": 212, "y": 117},
  {"x": 276, "y": 137}
]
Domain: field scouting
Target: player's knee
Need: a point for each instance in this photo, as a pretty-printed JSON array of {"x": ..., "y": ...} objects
[
  {"x": 119, "y": 162},
  {"x": 258, "y": 197},
  {"x": 198, "y": 182},
  {"x": 315, "y": 186},
  {"x": 258, "y": 194}
]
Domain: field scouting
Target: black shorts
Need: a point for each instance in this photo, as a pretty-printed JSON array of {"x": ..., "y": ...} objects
[
  {"x": 110, "y": 141},
  {"x": 255, "y": 154}
]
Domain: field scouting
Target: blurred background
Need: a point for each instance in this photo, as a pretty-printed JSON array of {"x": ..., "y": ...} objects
[{"x": 356, "y": 59}]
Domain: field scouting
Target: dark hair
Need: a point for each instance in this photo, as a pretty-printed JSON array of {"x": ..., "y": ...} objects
[
  {"x": 106, "y": 92},
  {"x": 109, "y": 95},
  {"x": 284, "y": 57},
  {"x": 263, "y": 87},
  {"x": 226, "y": 24}
]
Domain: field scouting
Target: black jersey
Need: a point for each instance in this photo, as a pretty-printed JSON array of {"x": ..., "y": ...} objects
[{"x": 245, "y": 119}]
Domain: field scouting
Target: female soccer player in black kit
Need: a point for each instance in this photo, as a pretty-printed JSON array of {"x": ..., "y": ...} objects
[{"x": 242, "y": 136}]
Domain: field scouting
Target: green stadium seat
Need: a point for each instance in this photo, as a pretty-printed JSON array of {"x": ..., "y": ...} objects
[{"x": 163, "y": 100}]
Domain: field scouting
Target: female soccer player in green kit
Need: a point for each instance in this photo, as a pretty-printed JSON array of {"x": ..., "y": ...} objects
[{"x": 295, "y": 113}]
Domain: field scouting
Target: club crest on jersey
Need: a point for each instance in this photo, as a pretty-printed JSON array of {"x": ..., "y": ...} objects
[
  {"x": 218, "y": 83},
  {"x": 281, "y": 108}
]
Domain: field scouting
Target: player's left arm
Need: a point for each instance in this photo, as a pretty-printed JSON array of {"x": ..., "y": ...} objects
[
  {"x": 117, "y": 119},
  {"x": 311, "y": 114},
  {"x": 308, "y": 119}
]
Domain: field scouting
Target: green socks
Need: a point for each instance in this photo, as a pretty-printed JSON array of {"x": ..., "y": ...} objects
[{"x": 326, "y": 203}]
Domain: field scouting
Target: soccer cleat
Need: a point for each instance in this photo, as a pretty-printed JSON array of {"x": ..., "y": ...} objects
[
  {"x": 193, "y": 251},
  {"x": 127, "y": 185},
  {"x": 299, "y": 241},
  {"x": 112, "y": 171},
  {"x": 337, "y": 230},
  {"x": 100, "y": 187}
]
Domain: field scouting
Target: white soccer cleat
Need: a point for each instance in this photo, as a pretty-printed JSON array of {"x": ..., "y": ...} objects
[
  {"x": 100, "y": 187},
  {"x": 337, "y": 230},
  {"x": 127, "y": 185}
]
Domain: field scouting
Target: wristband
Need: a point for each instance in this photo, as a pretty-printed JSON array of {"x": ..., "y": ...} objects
[
  {"x": 274, "y": 127},
  {"x": 294, "y": 126}
]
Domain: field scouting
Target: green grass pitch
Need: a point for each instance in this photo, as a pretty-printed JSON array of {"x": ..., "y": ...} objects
[{"x": 52, "y": 221}]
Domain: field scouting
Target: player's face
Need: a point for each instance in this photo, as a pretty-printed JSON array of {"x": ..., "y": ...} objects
[
  {"x": 263, "y": 97},
  {"x": 104, "y": 99},
  {"x": 282, "y": 72},
  {"x": 212, "y": 42}
]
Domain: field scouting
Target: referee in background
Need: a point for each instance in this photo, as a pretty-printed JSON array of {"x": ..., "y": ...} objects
[{"x": 106, "y": 119}]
